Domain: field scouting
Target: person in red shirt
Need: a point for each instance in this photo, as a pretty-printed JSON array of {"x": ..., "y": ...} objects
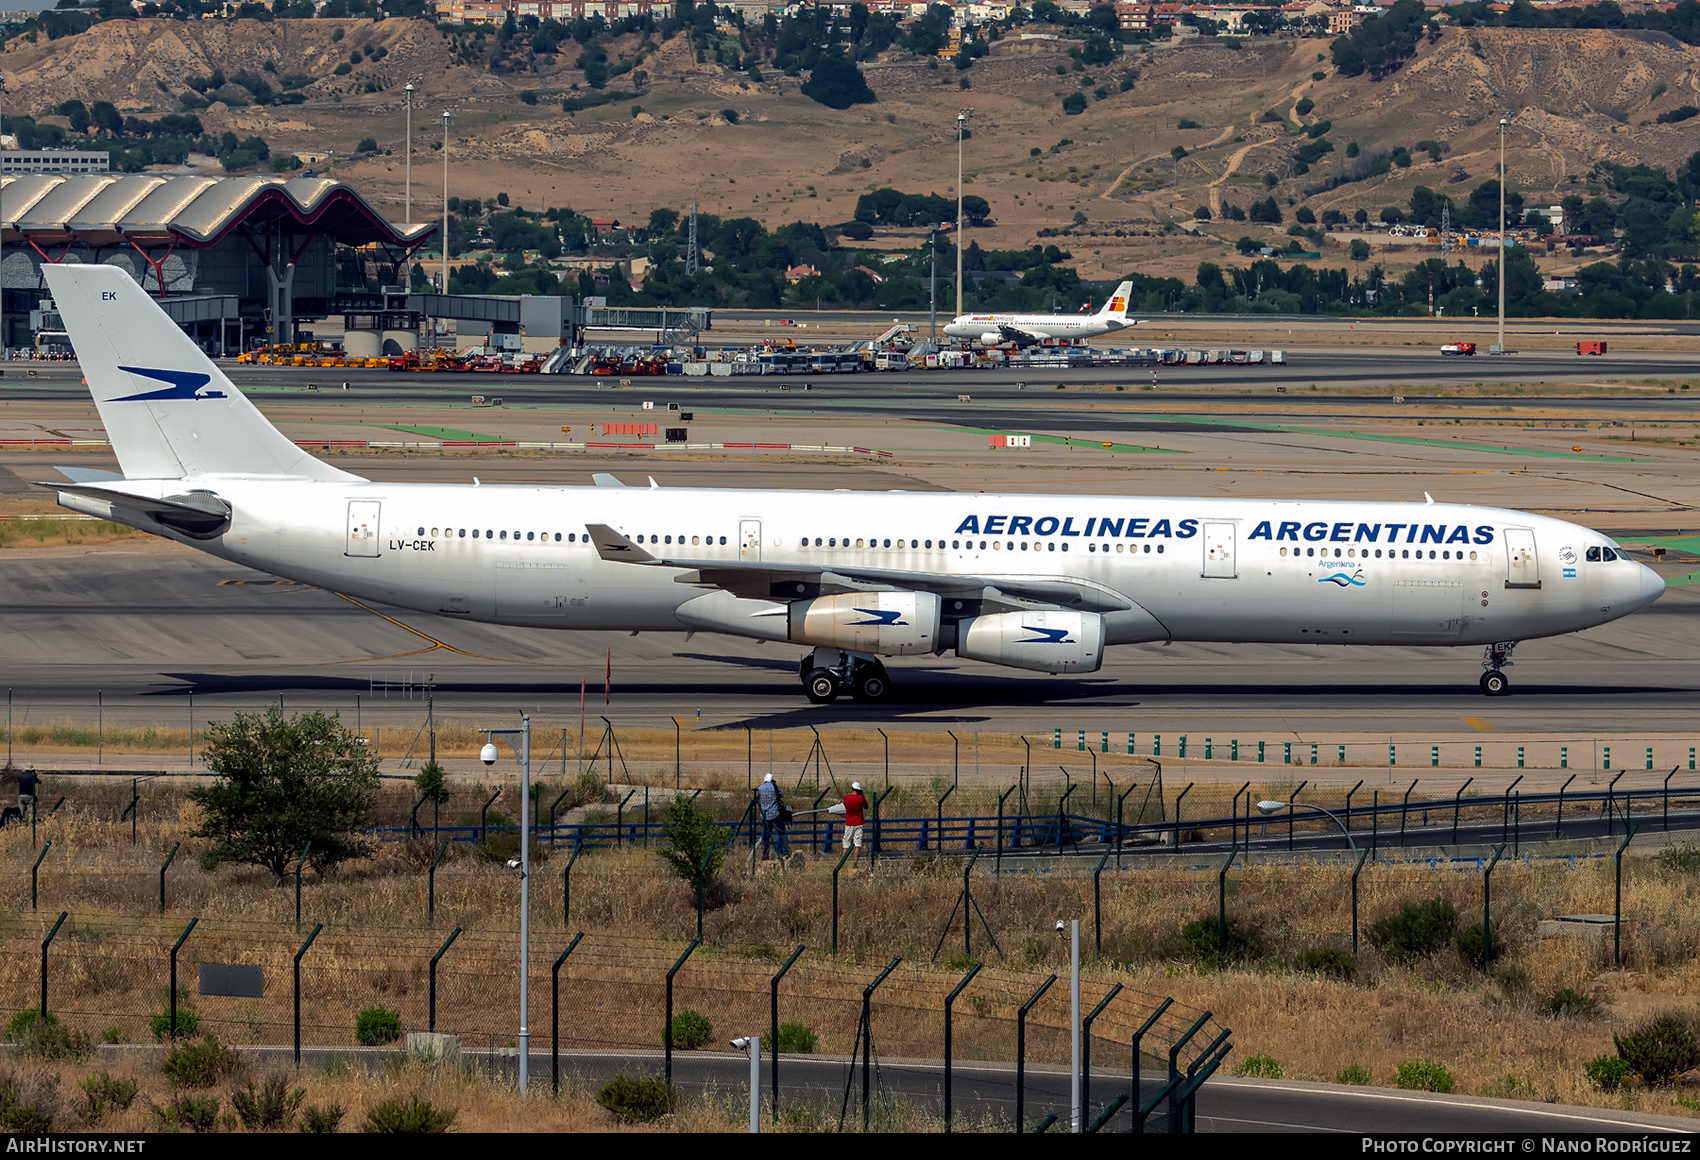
[{"x": 854, "y": 805}]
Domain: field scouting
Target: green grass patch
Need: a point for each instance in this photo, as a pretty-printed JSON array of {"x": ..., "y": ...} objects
[{"x": 454, "y": 434}]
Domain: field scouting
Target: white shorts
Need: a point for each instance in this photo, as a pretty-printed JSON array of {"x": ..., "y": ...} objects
[{"x": 852, "y": 836}]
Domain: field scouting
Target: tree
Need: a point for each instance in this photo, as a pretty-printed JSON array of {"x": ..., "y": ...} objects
[
  {"x": 284, "y": 783},
  {"x": 696, "y": 846},
  {"x": 367, "y": 145},
  {"x": 837, "y": 83}
]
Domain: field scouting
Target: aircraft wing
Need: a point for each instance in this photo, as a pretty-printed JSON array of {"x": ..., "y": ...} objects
[
  {"x": 1016, "y": 334},
  {"x": 771, "y": 580}
]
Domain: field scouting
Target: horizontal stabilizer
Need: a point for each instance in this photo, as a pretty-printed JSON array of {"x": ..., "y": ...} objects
[
  {"x": 199, "y": 515},
  {"x": 86, "y": 475}
]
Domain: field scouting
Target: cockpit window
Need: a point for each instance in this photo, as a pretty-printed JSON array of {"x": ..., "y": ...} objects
[
  {"x": 1608, "y": 554},
  {"x": 1593, "y": 555}
]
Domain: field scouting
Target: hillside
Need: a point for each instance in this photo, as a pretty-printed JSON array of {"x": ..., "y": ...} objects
[{"x": 1577, "y": 99}]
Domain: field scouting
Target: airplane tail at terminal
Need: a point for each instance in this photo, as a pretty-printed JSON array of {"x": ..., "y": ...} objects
[
  {"x": 1116, "y": 307},
  {"x": 168, "y": 410}
]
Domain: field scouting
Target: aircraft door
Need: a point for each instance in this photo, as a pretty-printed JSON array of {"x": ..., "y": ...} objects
[
  {"x": 749, "y": 540},
  {"x": 1522, "y": 565},
  {"x": 1219, "y": 552},
  {"x": 362, "y": 528}
]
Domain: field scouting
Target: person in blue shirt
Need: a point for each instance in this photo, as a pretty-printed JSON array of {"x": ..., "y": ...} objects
[{"x": 773, "y": 819}]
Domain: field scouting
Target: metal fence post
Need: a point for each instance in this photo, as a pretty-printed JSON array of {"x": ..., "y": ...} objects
[
  {"x": 1098, "y": 907},
  {"x": 868, "y": 1036},
  {"x": 1356, "y": 870},
  {"x": 484, "y": 818},
  {"x": 874, "y": 856},
  {"x": 1558, "y": 826},
  {"x": 1617, "y": 908},
  {"x": 949, "y": 1006},
  {"x": 441, "y": 951},
  {"x": 1457, "y": 799},
  {"x": 317, "y": 927},
  {"x": 1222, "y": 903},
  {"x": 175, "y": 947},
  {"x": 1139, "y": 1109},
  {"x": 567, "y": 884},
  {"x": 667, "y": 1035},
  {"x": 1180, "y": 798},
  {"x": 1086, "y": 1052},
  {"x": 1021, "y": 1054},
  {"x": 431, "y": 879},
  {"x": 57, "y": 923},
  {"x": 1668, "y": 776},
  {"x": 1404, "y": 809},
  {"x": 555, "y": 1012},
  {"x": 997, "y": 863},
  {"x": 1290, "y": 811},
  {"x": 773, "y": 1012},
  {"x": 35, "y": 871},
  {"x": 169, "y": 858},
  {"x": 835, "y": 871},
  {"x": 1487, "y": 910}
]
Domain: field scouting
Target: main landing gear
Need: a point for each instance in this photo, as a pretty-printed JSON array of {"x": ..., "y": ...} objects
[
  {"x": 827, "y": 672},
  {"x": 1495, "y": 659}
]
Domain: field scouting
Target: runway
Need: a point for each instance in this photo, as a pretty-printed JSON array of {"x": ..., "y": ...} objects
[{"x": 143, "y": 628}]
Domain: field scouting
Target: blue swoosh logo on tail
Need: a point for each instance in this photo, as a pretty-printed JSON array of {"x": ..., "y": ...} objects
[{"x": 184, "y": 385}]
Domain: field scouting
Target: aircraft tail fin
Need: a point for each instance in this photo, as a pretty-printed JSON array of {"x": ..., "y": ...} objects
[
  {"x": 169, "y": 411},
  {"x": 1117, "y": 306}
]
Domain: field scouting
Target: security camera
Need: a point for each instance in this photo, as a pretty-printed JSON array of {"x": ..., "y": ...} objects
[
  {"x": 488, "y": 754},
  {"x": 1060, "y": 926},
  {"x": 513, "y": 863},
  {"x": 742, "y": 1043}
]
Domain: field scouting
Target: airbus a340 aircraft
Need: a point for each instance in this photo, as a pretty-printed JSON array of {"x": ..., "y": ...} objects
[
  {"x": 1030, "y": 329},
  {"x": 1035, "y": 582}
]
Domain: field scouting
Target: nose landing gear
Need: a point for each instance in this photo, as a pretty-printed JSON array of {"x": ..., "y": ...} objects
[
  {"x": 1495, "y": 659},
  {"x": 827, "y": 672}
]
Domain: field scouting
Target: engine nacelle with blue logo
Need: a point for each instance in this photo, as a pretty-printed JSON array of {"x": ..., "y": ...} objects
[
  {"x": 1047, "y": 642},
  {"x": 893, "y": 624}
]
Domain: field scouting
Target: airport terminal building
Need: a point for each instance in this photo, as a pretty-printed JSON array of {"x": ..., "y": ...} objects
[{"x": 233, "y": 260}]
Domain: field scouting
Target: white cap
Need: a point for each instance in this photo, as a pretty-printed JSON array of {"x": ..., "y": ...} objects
[
  {"x": 769, "y": 777},
  {"x": 857, "y": 786}
]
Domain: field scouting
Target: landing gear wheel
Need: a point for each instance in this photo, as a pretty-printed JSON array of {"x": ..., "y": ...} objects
[
  {"x": 821, "y": 686},
  {"x": 1495, "y": 684},
  {"x": 873, "y": 685}
]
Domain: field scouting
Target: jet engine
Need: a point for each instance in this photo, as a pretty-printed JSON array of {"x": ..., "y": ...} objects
[
  {"x": 886, "y": 623},
  {"x": 991, "y": 338},
  {"x": 1044, "y": 641}
]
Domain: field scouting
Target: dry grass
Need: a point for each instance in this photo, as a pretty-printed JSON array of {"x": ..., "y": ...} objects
[
  {"x": 108, "y": 966},
  {"x": 56, "y": 532}
]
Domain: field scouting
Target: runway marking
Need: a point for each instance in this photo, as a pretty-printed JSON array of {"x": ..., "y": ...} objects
[
  {"x": 264, "y": 583},
  {"x": 1481, "y": 725},
  {"x": 435, "y": 643}
]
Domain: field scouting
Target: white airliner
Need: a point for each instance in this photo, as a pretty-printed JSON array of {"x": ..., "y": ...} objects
[
  {"x": 1035, "y": 582},
  {"x": 1030, "y": 329}
]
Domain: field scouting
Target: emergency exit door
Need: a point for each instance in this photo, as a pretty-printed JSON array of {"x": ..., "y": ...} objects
[
  {"x": 1219, "y": 552},
  {"x": 362, "y": 528}
]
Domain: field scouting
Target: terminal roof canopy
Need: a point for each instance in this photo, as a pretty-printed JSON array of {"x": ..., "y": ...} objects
[{"x": 102, "y": 209}]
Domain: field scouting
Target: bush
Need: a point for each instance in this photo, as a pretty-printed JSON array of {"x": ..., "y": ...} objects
[
  {"x": 857, "y": 231},
  {"x": 691, "y": 1029},
  {"x": 367, "y": 145},
  {"x": 268, "y": 1105},
  {"x": 1178, "y": 152},
  {"x": 188, "y": 1024},
  {"x": 1566, "y": 1003},
  {"x": 1661, "y": 1049},
  {"x": 1259, "y": 1067},
  {"x": 794, "y": 1039},
  {"x": 101, "y": 1092},
  {"x": 1423, "y": 1075},
  {"x": 1353, "y": 1073},
  {"x": 28, "y": 1103},
  {"x": 1330, "y": 961},
  {"x": 1606, "y": 1072},
  {"x": 376, "y": 1026},
  {"x": 1420, "y": 929},
  {"x": 200, "y": 1065},
  {"x": 45, "y": 1037},
  {"x": 410, "y": 1116},
  {"x": 1201, "y": 943},
  {"x": 1509, "y": 1087},
  {"x": 730, "y": 116},
  {"x": 1684, "y": 858},
  {"x": 320, "y": 1121},
  {"x": 192, "y": 1113},
  {"x": 641, "y": 1100},
  {"x": 1188, "y": 123},
  {"x": 1074, "y": 104},
  {"x": 1469, "y": 944}
]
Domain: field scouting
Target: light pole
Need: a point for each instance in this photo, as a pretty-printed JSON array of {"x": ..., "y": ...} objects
[
  {"x": 1500, "y": 348},
  {"x": 933, "y": 291},
  {"x": 407, "y": 181},
  {"x": 961, "y": 125},
  {"x": 488, "y": 756},
  {"x": 1073, "y": 1021},
  {"x": 448, "y": 116}
]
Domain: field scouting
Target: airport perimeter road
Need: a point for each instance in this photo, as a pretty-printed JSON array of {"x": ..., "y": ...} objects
[
  {"x": 983, "y": 1094},
  {"x": 148, "y": 626}
]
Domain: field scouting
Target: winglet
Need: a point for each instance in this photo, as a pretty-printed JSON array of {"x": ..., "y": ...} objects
[
  {"x": 614, "y": 547},
  {"x": 1427, "y": 498},
  {"x": 603, "y": 479}
]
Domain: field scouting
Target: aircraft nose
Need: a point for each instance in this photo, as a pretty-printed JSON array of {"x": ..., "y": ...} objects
[{"x": 1647, "y": 587}]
